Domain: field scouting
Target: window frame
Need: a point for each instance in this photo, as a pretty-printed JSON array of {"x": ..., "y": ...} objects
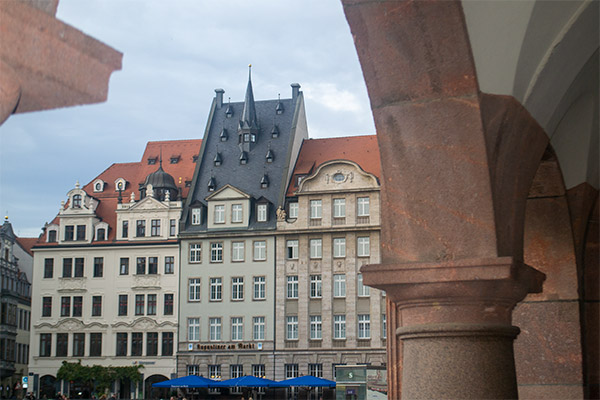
[
  {"x": 291, "y": 327},
  {"x": 339, "y": 247},
  {"x": 316, "y": 209},
  {"x": 316, "y": 286},
  {"x": 291, "y": 287},
  {"x": 219, "y": 214},
  {"x": 238, "y": 250},
  {"x": 194, "y": 288},
  {"x": 195, "y": 253},
  {"x": 339, "y": 207},
  {"x": 215, "y": 329},
  {"x": 261, "y": 286},
  {"x": 216, "y": 252},
  {"x": 260, "y": 252},
  {"x": 292, "y": 249},
  {"x": 316, "y": 248},
  {"x": 339, "y": 285},
  {"x": 216, "y": 289},
  {"x": 237, "y": 288},
  {"x": 363, "y": 206},
  {"x": 363, "y": 246},
  {"x": 237, "y": 213}
]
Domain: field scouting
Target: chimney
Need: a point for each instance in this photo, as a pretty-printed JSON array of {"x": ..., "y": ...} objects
[
  {"x": 295, "y": 90},
  {"x": 219, "y": 97}
]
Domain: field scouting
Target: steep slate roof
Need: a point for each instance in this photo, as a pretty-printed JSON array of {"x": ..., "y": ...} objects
[{"x": 362, "y": 150}]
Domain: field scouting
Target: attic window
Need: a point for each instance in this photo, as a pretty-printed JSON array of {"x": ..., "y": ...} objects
[
  {"x": 175, "y": 159},
  {"x": 229, "y": 111},
  {"x": 77, "y": 201},
  {"x": 152, "y": 160},
  {"x": 99, "y": 185},
  {"x": 244, "y": 158},
  {"x": 101, "y": 234},
  {"x": 253, "y": 138},
  {"x": 120, "y": 184},
  {"x": 218, "y": 160},
  {"x": 211, "y": 184},
  {"x": 188, "y": 183},
  {"x": 275, "y": 131},
  {"x": 270, "y": 156},
  {"x": 264, "y": 182},
  {"x": 195, "y": 158},
  {"x": 246, "y": 137},
  {"x": 279, "y": 108},
  {"x": 52, "y": 236},
  {"x": 224, "y": 136}
]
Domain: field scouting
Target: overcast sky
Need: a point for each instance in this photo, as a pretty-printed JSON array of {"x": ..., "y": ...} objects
[{"x": 175, "y": 54}]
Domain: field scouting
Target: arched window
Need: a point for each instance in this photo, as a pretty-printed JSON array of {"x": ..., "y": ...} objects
[{"x": 101, "y": 235}]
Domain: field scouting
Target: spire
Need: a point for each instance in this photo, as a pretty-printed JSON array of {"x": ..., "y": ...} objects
[{"x": 248, "y": 120}]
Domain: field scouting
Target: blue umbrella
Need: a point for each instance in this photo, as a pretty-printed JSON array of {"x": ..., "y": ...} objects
[
  {"x": 192, "y": 381},
  {"x": 306, "y": 381},
  {"x": 244, "y": 381}
]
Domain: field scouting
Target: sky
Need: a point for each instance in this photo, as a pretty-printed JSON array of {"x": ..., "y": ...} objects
[{"x": 175, "y": 54}]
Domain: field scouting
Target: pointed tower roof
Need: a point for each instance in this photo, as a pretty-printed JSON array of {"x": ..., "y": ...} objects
[{"x": 248, "y": 119}]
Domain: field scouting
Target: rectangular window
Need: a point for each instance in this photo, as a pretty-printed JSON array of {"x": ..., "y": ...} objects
[
  {"x": 52, "y": 236},
  {"x": 237, "y": 288},
  {"x": 315, "y": 327},
  {"x": 141, "y": 266},
  {"x": 292, "y": 287},
  {"x": 339, "y": 247},
  {"x": 291, "y": 371},
  {"x": 139, "y": 304},
  {"x": 168, "y": 305},
  {"x": 261, "y": 213},
  {"x": 65, "y": 306},
  {"x": 258, "y": 328},
  {"x": 169, "y": 265},
  {"x": 260, "y": 250},
  {"x": 260, "y": 290},
  {"x": 236, "y": 213},
  {"x": 125, "y": 229},
  {"x": 237, "y": 328},
  {"x": 46, "y": 306},
  {"x": 316, "y": 286},
  {"x": 316, "y": 209},
  {"x": 236, "y": 371},
  {"x": 316, "y": 248},
  {"x": 78, "y": 268},
  {"x": 383, "y": 326},
  {"x": 216, "y": 252},
  {"x": 216, "y": 286},
  {"x": 140, "y": 228},
  {"x": 194, "y": 289},
  {"x": 219, "y": 214},
  {"x": 193, "y": 329},
  {"x": 293, "y": 209},
  {"x": 215, "y": 329},
  {"x": 80, "y": 232},
  {"x": 155, "y": 227},
  {"x": 363, "y": 291},
  {"x": 259, "y": 370},
  {"x": 67, "y": 267},
  {"x": 339, "y": 208},
  {"x": 96, "y": 306},
  {"x": 167, "y": 344},
  {"x": 45, "y": 344},
  {"x": 173, "y": 227},
  {"x": 339, "y": 327},
  {"x": 214, "y": 371},
  {"x": 122, "y": 304},
  {"x": 193, "y": 369},
  {"x": 195, "y": 252},
  {"x": 48, "y": 268},
  {"x": 363, "y": 246},
  {"x": 364, "y": 326},
  {"x": 152, "y": 265},
  {"x": 237, "y": 251},
  {"x": 292, "y": 327},
  {"x": 78, "y": 344},
  {"x": 121, "y": 344},
  {"x": 362, "y": 207},
  {"x": 124, "y": 266},
  {"x": 69, "y": 233},
  {"x": 339, "y": 285},
  {"x": 196, "y": 216},
  {"x": 315, "y": 370},
  {"x": 95, "y": 344},
  {"x": 98, "y": 267},
  {"x": 151, "y": 310},
  {"x": 137, "y": 341},
  {"x": 77, "y": 306},
  {"x": 292, "y": 249},
  {"x": 151, "y": 343}
]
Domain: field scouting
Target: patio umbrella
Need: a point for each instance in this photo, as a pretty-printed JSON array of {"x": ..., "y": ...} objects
[
  {"x": 244, "y": 381},
  {"x": 306, "y": 381},
  {"x": 191, "y": 381}
]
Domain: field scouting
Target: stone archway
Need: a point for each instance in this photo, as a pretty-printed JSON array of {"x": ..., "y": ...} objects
[
  {"x": 49, "y": 387},
  {"x": 152, "y": 392}
]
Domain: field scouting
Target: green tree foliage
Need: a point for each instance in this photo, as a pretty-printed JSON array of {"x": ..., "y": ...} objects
[{"x": 97, "y": 377}]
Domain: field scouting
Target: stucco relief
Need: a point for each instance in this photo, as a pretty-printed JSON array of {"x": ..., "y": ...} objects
[
  {"x": 72, "y": 284},
  {"x": 338, "y": 175},
  {"x": 146, "y": 281},
  {"x": 290, "y": 267}
]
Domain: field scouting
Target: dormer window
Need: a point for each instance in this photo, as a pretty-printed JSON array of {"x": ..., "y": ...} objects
[
  {"x": 212, "y": 184},
  {"x": 195, "y": 158},
  {"x": 244, "y": 158},
  {"x": 120, "y": 184},
  {"x": 218, "y": 160},
  {"x": 229, "y": 110},
  {"x": 253, "y": 138},
  {"x": 279, "y": 108},
  {"x": 52, "y": 236},
  {"x": 264, "y": 182},
  {"x": 99, "y": 186},
  {"x": 270, "y": 156},
  {"x": 152, "y": 160},
  {"x": 224, "y": 136},
  {"x": 196, "y": 216},
  {"x": 261, "y": 212},
  {"x": 175, "y": 159},
  {"x": 275, "y": 131},
  {"x": 246, "y": 137},
  {"x": 76, "y": 201},
  {"x": 101, "y": 234}
]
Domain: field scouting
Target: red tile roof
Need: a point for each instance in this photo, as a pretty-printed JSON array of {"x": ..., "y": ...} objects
[
  {"x": 362, "y": 150},
  {"x": 27, "y": 243}
]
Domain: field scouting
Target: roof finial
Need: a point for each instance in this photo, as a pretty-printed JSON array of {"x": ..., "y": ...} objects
[{"x": 248, "y": 118}]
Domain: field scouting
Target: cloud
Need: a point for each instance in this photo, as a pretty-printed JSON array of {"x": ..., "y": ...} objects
[{"x": 328, "y": 95}]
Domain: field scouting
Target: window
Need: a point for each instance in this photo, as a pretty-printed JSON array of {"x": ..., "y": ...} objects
[
  {"x": 196, "y": 216},
  {"x": 364, "y": 326},
  {"x": 195, "y": 252},
  {"x": 194, "y": 289},
  {"x": 215, "y": 289},
  {"x": 383, "y": 326},
  {"x": 151, "y": 343},
  {"x": 219, "y": 214},
  {"x": 122, "y": 304},
  {"x": 139, "y": 304},
  {"x": 362, "y": 207},
  {"x": 291, "y": 327},
  {"x": 293, "y": 210},
  {"x": 363, "y": 291},
  {"x": 214, "y": 371},
  {"x": 237, "y": 251},
  {"x": 168, "y": 304},
  {"x": 258, "y": 370},
  {"x": 292, "y": 249},
  {"x": 45, "y": 344},
  {"x": 261, "y": 213},
  {"x": 48, "y": 268},
  {"x": 193, "y": 369},
  {"x": 339, "y": 285},
  {"x": 46, "y": 306},
  {"x": 95, "y": 344},
  {"x": 339, "y": 327},
  {"x": 141, "y": 266},
  {"x": 236, "y": 371},
  {"x": 236, "y": 213},
  {"x": 79, "y": 267},
  {"x": 260, "y": 250},
  {"x": 315, "y": 327},
  {"x": 167, "y": 344},
  {"x": 315, "y": 370},
  {"x": 315, "y": 209},
  {"x": 77, "y": 306},
  {"x": 291, "y": 371},
  {"x": 175, "y": 159},
  {"x": 151, "y": 310},
  {"x": 125, "y": 229},
  {"x": 140, "y": 228},
  {"x": 339, "y": 247},
  {"x": 216, "y": 252},
  {"x": 98, "y": 267},
  {"x": 172, "y": 227},
  {"x": 80, "y": 232},
  {"x": 52, "y": 236},
  {"x": 67, "y": 267},
  {"x": 339, "y": 208},
  {"x": 121, "y": 344},
  {"x": 77, "y": 201},
  {"x": 124, "y": 266},
  {"x": 237, "y": 288},
  {"x": 137, "y": 341},
  {"x": 169, "y": 265},
  {"x": 65, "y": 306},
  {"x": 363, "y": 246},
  {"x": 69, "y": 233},
  {"x": 292, "y": 287},
  {"x": 315, "y": 286},
  {"x": 260, "y": 288},
  {"x": 152, "y": 265},
  {"x": 316, "y": 248},
  {"x": 96, "y": 306},
  {"x": 155, "y": 227},
  {"x": 258, "y": 328},
  {"x": 78, "y": 344},
  {"x": 101, "y": 234},
  {"x": 237, "y": 328},
  {"x": 193, "y": 329},
  {"x": 215, "y": 329}
]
